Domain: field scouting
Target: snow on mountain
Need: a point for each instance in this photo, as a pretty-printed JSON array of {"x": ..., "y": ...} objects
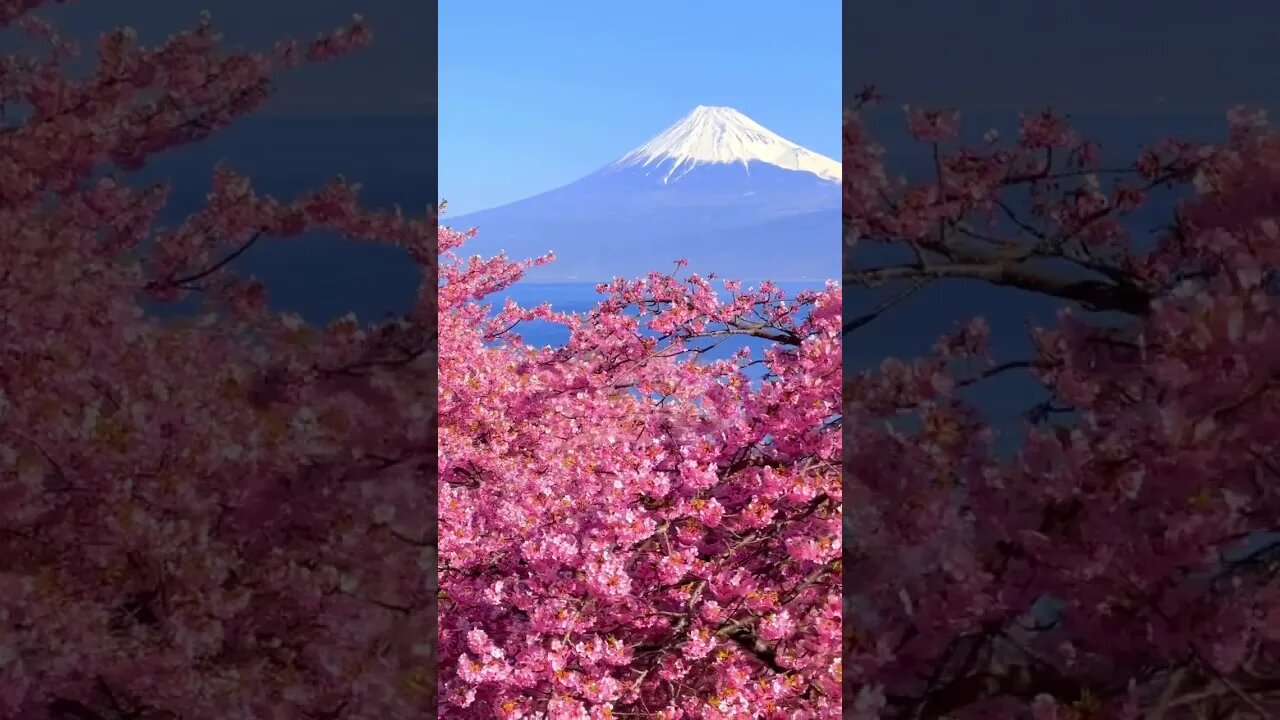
[
  {"x": 724, "y": 135},
  {"x": 716, "y": 188}
]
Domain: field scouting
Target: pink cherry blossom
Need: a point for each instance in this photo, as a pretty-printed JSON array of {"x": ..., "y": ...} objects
[
  {"x": 1115, "y": 565},
  {"x": 227, "y": 514},
  {"x": 640, "y": 507}
]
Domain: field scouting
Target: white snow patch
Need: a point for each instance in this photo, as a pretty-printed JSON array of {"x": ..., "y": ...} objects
[{"x": 724, "y": 135}]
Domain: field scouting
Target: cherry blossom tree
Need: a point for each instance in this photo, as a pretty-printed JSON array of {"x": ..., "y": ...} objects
[
  {"x": 628, "y": 529},
  {"x": 225, "y": 515},
  {"x": 1120, "y": 566}
]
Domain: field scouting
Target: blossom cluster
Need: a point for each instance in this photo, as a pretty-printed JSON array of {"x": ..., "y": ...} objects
[
  {"x": 627, "y": 529},
  {"x": 227, "y": 514},
  {"x": 1122, "y": 563}
]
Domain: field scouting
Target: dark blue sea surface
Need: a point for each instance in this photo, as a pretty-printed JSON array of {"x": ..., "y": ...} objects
[{"x": 582, "y": 297}]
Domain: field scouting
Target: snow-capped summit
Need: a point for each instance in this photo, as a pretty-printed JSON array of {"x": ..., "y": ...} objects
[
  {"x": 724, "y": 135},
  {"x": 716, "y": 188}
]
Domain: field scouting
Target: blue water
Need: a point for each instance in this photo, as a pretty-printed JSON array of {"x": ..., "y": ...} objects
[{"x": 582, "y": 297}]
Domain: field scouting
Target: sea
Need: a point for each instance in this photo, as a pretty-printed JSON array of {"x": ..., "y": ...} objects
[{"x": 580, "y": 297}]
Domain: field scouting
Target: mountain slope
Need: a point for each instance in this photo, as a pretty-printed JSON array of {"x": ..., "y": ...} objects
[
  {"x": 722, "y": 135},
  {"x": 716, "y": 188}
]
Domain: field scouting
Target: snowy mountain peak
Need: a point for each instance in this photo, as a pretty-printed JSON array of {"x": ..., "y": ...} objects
[{"x": 724, "y": 135}]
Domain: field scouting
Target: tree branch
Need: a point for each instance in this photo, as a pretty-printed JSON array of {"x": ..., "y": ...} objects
[{"x": 1092, "y": 294}]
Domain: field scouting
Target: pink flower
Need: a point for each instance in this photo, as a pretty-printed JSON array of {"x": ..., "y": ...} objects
[
  {"x": 608, "y": 579},
  {"x": 699, "y": 644},
  {"x": 776, "y": 626},
  {"x": 932, "y": 125}
]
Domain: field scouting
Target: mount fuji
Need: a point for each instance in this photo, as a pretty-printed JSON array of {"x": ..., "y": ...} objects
[{"x": 715, "y": 188}]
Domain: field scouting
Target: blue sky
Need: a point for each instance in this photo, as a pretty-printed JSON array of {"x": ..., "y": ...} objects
[{"x": 535, "y": 95}]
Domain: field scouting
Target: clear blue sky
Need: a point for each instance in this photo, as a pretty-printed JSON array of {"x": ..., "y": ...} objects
[{"x": 537, "y": 94}]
